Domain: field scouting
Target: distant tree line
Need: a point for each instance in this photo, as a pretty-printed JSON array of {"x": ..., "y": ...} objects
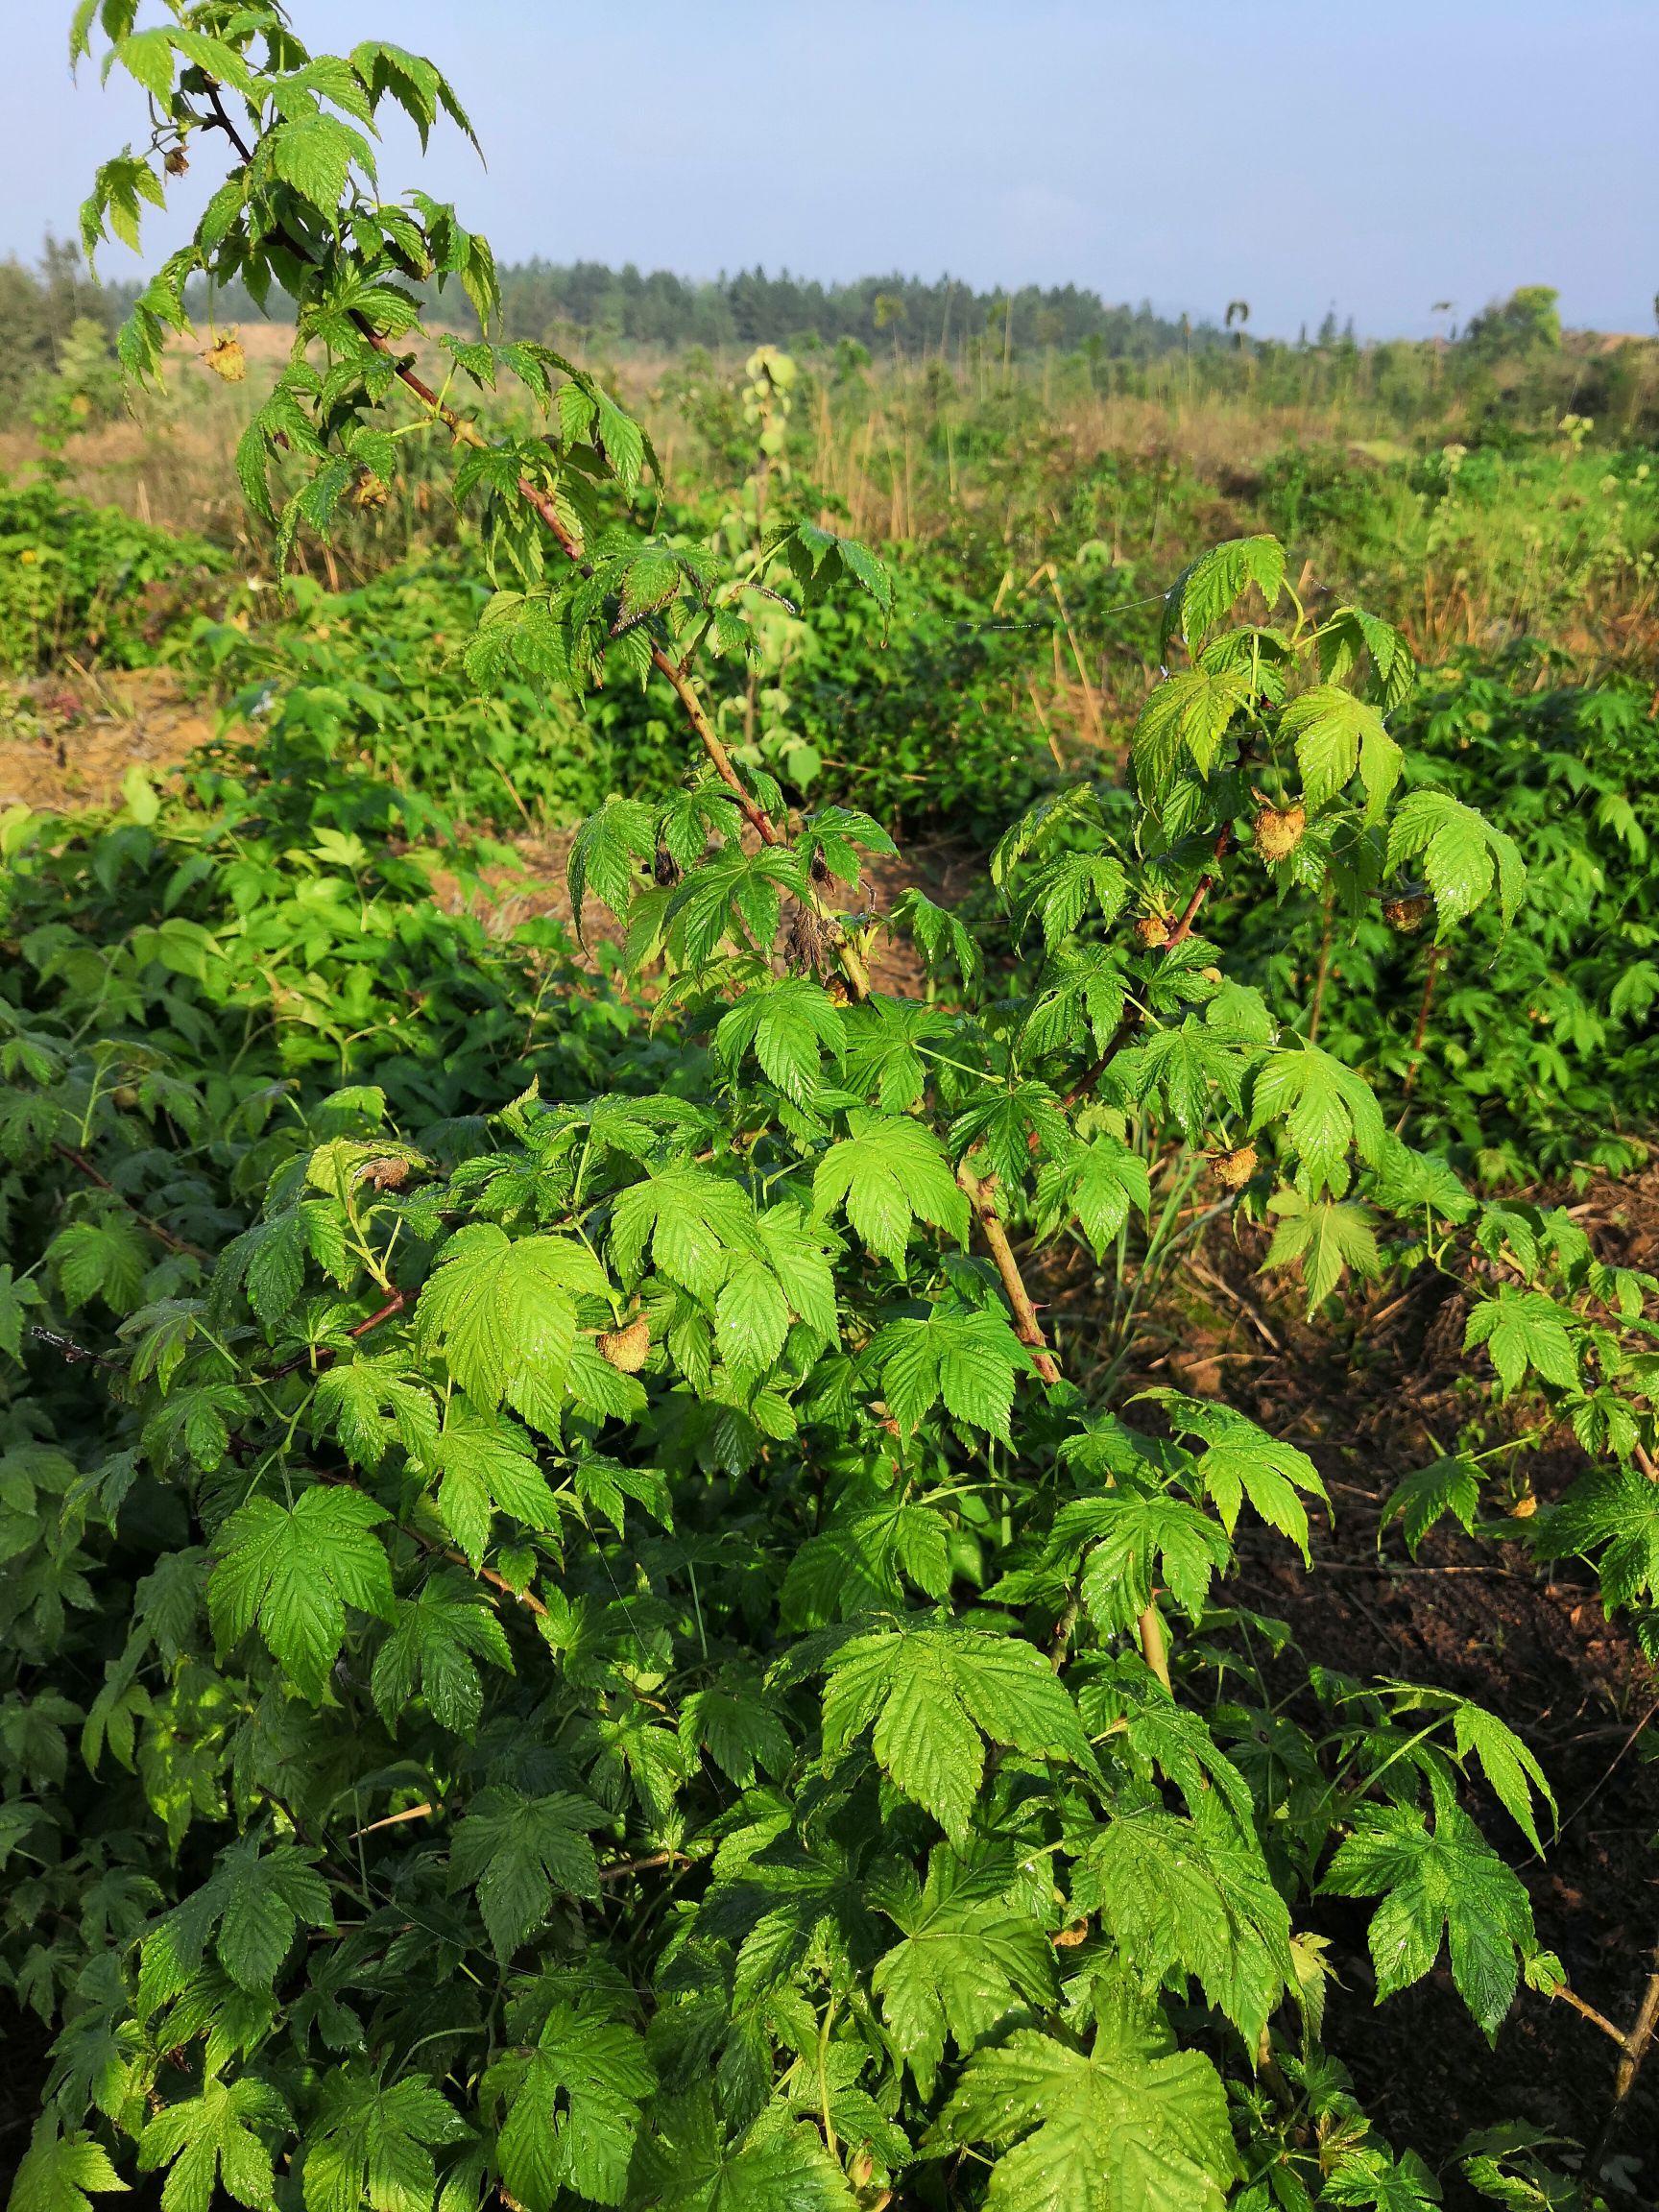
[
  {"x": 883, "y": 314},
  {"x": 588, "y": 302}
]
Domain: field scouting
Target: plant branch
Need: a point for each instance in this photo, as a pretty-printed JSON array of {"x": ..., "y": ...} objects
[
  {"x": 395, "y": 1304},
  {"x": 162, "y": 1236},
  {"x": 982, "y": 1197},
  {"x": 1635, "y": 2046}
]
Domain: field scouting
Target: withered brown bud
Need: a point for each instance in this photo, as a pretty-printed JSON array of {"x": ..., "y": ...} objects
[
  {"x": 1234, "y": 1169},
  {"x": 1151, "y": 931},
  {"x": 177, "y": 161},
  {"x": 370, "y": 490},
  {"x": 627, "y": 1349},
  {"x": 666, "y": 869},
  {"x": 388, "y": 1174},
  {"x": 1279, "y": 832},
  {"x": 805, "y": 942},
  {"x": 1408, "y": 914},
  {"x": 227, "y": 359},
  {"x": 1068, "y": 1939}
]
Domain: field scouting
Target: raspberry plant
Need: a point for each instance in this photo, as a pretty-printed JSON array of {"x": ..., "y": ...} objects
[{"x": 616, "y": 1661}]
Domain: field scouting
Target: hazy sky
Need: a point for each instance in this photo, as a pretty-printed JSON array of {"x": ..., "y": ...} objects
[{"x": 1314, "y": 152}]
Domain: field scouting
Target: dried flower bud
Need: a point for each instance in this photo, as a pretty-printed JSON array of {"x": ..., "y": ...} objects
[
  {"x": 227, "y": 359},
  {"x": 1525, "y": 1507},
  {"x": 1068, "y": 1939},
  {"x": 388, "y": 1174},
  {"x": 1279, "y": 832},
  {"x": 1408, "y": 914},
  {"x": 627, "y": 1349},
  {"x": 1151, "y": 931},
  {"x": 370, "y": 490},
  {"x": 664, "y": 868},
  {"x": 177, "y": 161},
  {"x": 1234, "y": 1169}
]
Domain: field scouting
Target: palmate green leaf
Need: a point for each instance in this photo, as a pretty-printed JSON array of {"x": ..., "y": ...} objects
[
  {"x": 437, "y": 1639},
  {"x": 371, "y": 1401},
  {"x": 1326, "y": 1107},
  {"x": 930, "y": 1694},
  {"x": 315, "y": 154},
  {"x": 1524, "y": 1330},
  {"x": 860, "y": 1562},
  {"x": 106, "y": 1258},
  {"x": 1445, "y": 1882},
  {"x": 692, "y": 1221},
  {"x": 1427, "y": 1494},
  {"x": 215, "y": 2136},
  {"x": 1370, "y": 2177},
  {"x": 1612, "y": 1517},
  {"x": 294, "y": 1572},
  {"x": 1243, "y": 1462},
  {"x": 969, "y": 1961},
  {"x": 503, "y": 1315},
  {"x": 1189, "y": 713},
  {"x": 485, "y": 1467},
  {"x": 737, "y": 1724},
  {"x": 789, "y": 1026},
  {"x": 1132, "y": 2125},
  {"x": 61, "y": 2173},
  {"x": 606, "y": 856},
  {"x": 517, "y": 1852},
  {"x": 1328, "y": 1235},
  {"x": 887, "y": 1174},
  {"x": 1098, "y": 1184},
  {"x": 1181, "y": 1897},
  {"x": 371, "y": 2142},
  {"x": 1132, "y": 1542},
  {"x": 1350, "y": 635},
  {"x": 1334, "y": 733},
  {"x": 964, "y": 1358},
  {"x": 1004, "y": 1124},
  {"x": 1461, "y": 855},
  {"x": 685, "y": 2162},
  {"x": 1507, "y": 1763},
  {"x": 572, "y": 2109},
  {"x": 257, "y": 1899},
  {"x": 1193, "y": 1071},
  {"x": 1212, "y": 586}
]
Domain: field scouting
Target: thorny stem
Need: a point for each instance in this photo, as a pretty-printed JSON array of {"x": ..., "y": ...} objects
[{"x": 162, "y": 1236}]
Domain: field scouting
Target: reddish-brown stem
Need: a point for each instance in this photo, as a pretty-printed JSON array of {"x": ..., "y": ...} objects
[
  {"x": 981, "y": 1196},
  {"x": 161, "y": 1235},
  {"x": 1437, "y": 954},
  {"x": 394, "y": 1305}
]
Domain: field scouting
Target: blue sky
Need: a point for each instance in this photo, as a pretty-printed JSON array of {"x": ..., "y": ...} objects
[{"x": 1376, "y": 157}]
